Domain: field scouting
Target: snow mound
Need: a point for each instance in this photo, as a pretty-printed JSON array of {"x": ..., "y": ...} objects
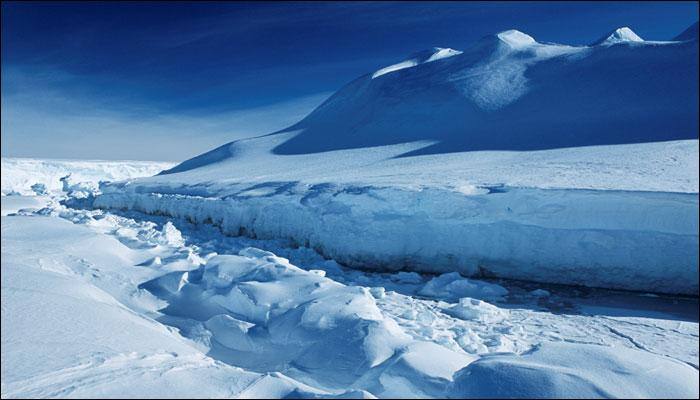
[
  {"x": 567, "y": 370},
  {"x": 619, "y": 35},
  {"x": 264, "y": 312},
  {"x": 516, "y": 39},
  {"x": 451, "y": 286},
  {"x": 255, "y": 325},
  {"x": 476, "y": 310}
]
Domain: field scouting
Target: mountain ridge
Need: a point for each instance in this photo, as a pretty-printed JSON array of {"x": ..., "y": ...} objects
[{"x": 507, "y": 92}]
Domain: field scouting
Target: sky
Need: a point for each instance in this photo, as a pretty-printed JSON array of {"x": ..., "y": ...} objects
[{"x": 170, "y": 80}]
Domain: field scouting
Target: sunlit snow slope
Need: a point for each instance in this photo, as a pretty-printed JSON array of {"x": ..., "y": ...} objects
[{"x": 512, "y": 158}]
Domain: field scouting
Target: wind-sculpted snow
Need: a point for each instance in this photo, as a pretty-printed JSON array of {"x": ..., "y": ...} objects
[
  {"x": 563, "y": 370},
  {"x": 250, "y": 323},
  {"x": 257, "y": 325},
  {"x": 265, "y": 314}
]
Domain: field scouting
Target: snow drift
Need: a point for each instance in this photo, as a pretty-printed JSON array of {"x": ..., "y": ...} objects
[
  {"x": 250, "y": 324},
  {"x": 513, "y": 159},
  {"x": 566, "y": 370}
]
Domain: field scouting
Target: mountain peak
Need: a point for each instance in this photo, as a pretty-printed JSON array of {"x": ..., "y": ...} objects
[
  {"x": 619, "y": 35},
  {"x": 515, "y": 38}
]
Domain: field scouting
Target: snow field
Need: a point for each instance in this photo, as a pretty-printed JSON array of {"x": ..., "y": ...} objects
[
  {"x": 20, "y": 174},
  {"x": 254, "y": 310},
  {"x": 260, "y": 312}
]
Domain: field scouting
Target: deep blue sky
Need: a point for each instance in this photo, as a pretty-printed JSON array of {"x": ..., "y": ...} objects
[{"x": 90, "y": 79}]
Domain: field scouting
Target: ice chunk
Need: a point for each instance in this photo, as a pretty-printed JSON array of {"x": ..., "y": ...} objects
[
  {"x": 378, "y": 292},
  {"x": 39, "y": 189},
  {"x": 172, "y": 236},
  {"x": 452, "y": 286},
  {"x": 476, "y": 310}
]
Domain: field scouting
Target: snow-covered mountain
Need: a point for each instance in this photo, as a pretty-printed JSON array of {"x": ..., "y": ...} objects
[
  {"x": 510, "y": 158},
  {"x": 510, "y": 92}
]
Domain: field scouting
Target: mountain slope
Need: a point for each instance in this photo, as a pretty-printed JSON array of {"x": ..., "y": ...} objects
[{"x": 509, "y": 92}]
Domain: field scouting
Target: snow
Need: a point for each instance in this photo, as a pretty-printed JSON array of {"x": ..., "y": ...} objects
[
  {"x": 619, "y": 35},
  {"x": 510, "y": 92},
  {"x": 565, "y": 370},
  {"x": 476, "y": 310},
  {"x": 73, "y": 303},
  {"x": 516, "y": 39},
  {"x": 64, "y": 336},
  {"x": 200, "y": 314},
  {"x": 20, "y": 174},
  {"x": 427, "y": 56},
  {"x": 414, "y": 214},
  {"x": 482, "y": 163},
  {"x": 452, "y": 286},
  {"x": 248, "y": 322},
  {"x": 14, "y": 203},
  {"x": 441, "y": 53},
  {"x": 415, "y": 236}
]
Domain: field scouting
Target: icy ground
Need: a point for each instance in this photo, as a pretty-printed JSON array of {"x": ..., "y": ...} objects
[
  {"x": 120, "y": 303},
  {"x": 27, "y": 172}
]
